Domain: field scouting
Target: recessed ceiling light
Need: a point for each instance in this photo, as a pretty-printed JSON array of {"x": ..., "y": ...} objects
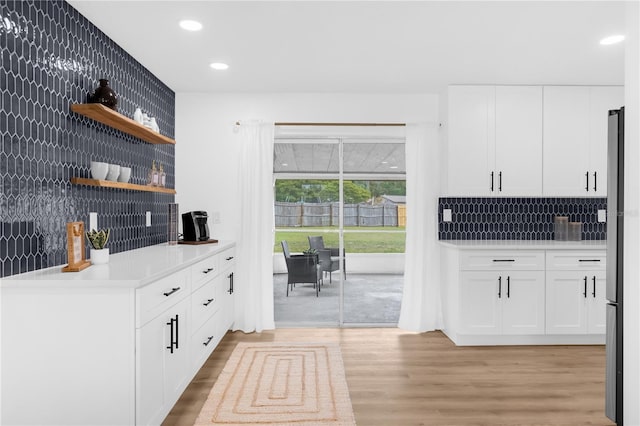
[
  {"x": 219, "y": 66},
  {"x": 612, "y": 39},
  {"x": 383, "y": 162},
  {"x": 393, "y": 167},
  {"x": 284, "y": 164},
  {"x": 189, "y": 25}
]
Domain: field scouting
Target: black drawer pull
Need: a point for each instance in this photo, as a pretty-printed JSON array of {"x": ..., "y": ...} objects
[
  {"x": 229, "y": 258},
  {"x": 209, "y": 339},
  {"x": 206, "y": 271},
  {"x": 504, "y": 260},
  {"x": 173, "y": 290},
  {"x": 585, "y": 287},
  {"x": 589, "y": 260},
  {"x": 207, "y": 302}
]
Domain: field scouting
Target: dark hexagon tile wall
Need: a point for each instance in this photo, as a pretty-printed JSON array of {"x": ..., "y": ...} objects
[
  {"x": 52, "y": 57},
  {"x": 518, "y": 218}
]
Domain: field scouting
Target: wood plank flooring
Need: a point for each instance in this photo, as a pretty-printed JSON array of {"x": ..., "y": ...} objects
[{"x": 401, "y": 378}]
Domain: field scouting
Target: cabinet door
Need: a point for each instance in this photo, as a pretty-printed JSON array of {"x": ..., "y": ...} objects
[
  {"x": 565, "y": 140},
  {"x": 602, "y": 99},
  {"x": 176, "y": 351},
  {"x": 227, "y": 299},
  {"x": 150, "y": 344},
  {"x": 518, "y": 141},
  {"x": 597, "y": 303},
  {"x": 480, "y": 307},
  {"x": 566, "y": 301},
  {"x": 523, "y": 302},
  {"x": 471, "y": 139}
]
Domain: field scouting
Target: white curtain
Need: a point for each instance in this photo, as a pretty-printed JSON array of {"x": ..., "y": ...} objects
[
  {"x": 421, "y": 304},
  {"x": 254, "y": 246}
]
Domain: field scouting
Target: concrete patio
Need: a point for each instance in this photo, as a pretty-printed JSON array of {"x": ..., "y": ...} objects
[{"x": 368, "y": 299}]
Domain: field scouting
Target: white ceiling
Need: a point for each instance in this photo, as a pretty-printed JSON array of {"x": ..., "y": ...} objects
[{"x": 366, "y": 46}]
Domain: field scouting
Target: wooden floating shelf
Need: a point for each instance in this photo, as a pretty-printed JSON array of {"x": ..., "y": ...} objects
[
  {"x": 111, "y": 118},
  {"x": 121, "y": 185}
]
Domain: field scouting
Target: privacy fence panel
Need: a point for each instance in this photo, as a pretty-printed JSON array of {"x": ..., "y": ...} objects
[{"x": 327, "y": 214}]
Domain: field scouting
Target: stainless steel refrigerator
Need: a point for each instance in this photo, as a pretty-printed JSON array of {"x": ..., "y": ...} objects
[{"x": 615, "y": 229}]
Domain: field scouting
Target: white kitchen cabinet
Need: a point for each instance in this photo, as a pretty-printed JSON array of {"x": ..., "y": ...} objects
[
  {"x": 495, "y": 140},
  {"x": 575, "y": 293},
  {"x": 113, "y": 344},
  {"x": 162, "y": 363},
  {"x": 226, "y": 295},
  {"x": 521, "y": 294},
  {"x": 575, "y": 138},
  {"x": 509, "y": 301}
]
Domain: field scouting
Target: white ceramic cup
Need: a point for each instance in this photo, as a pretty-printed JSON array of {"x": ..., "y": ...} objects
[
  {"x": 114, "y": 172},
  {"x": 125, "y": 174},
  {"x": 99, "y": 170}
]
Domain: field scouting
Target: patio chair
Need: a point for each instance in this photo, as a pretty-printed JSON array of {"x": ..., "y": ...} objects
[
  {"x": 329, "y": 257},
  {"x": 301, "y": 268}
]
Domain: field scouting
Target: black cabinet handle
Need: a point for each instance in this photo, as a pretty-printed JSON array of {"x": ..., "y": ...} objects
[
  {"x": 504, "y": 260},
  {"x": 588, "y": 260},
  {"x": 230, "y": 291},
  {"x": 595, "y": 181},
  {"x": 209, "y": 339},
  {"x": 587, "y": 187},
  {"x": 173, "y": 343},
  {"x": 500, "y": 181},
  {"x": 585, "y": 287},
  {"x": 508, "y": 287},
  {"x": 206, "y": 271},
  {"x": 173, "y": 290},
  {"x": 229, "y": 258},
  {"x": 177, "y": 328},
  {"x": 491, "y": 181},
  {"x": 207, "y": 302},
  {"x": 499, "y": 287},
  {"x": 594, "y": 286}
]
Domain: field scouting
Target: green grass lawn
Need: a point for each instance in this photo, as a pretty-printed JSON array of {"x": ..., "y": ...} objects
[{"x": 356, "y": 239}]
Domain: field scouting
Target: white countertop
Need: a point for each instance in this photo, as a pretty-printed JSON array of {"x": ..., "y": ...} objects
[
  {"x": 128, "y": 269},
  {"x": 525, "y": 244}
]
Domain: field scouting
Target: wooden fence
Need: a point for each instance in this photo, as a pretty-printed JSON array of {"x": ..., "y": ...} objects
[{"x": 326, "y": 214}]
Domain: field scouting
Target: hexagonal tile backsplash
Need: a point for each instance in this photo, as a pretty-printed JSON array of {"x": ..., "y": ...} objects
[
  {"x": 52, "y": 57},
  {"x": 518, "y": 218}
]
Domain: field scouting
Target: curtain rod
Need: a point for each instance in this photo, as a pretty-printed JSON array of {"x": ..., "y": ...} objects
[{"x": 336, "y": 124}]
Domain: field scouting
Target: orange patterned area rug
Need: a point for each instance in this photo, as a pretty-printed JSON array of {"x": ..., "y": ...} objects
[{"x": 280, "y": 384}]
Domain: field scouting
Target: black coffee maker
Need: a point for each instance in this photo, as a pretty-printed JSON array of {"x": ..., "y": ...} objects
[{"x": 194, "y": 226}]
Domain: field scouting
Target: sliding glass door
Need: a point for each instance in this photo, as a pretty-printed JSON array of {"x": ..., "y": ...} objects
[{"x": 350, "y": 191}]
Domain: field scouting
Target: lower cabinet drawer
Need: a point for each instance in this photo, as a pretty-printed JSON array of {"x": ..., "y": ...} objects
[
  {"x": 203, "y": 341},
  {"x": 489, "y": 260},
  {"x": 204, "y": 303},
  {"x": 571, "y": 260},
  {"x": 158, "y": 296}
]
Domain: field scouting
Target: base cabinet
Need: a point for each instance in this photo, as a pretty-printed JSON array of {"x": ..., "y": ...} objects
[
  {"x": 493, "y": 297},
  {"x": 576, "y": 286},
  {"x": 162, "y": 363},
  {"x": 101, "y": 352}
]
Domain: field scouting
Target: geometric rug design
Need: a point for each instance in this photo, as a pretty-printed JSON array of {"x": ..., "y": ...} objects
[{"x": 277, "y": 383}]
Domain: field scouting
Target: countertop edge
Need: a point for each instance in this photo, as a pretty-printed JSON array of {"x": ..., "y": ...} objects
[{"x": 524, "y": 245}]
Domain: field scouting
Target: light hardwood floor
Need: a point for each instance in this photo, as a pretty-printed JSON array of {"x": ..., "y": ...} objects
[{"x": 400, "y": 378}]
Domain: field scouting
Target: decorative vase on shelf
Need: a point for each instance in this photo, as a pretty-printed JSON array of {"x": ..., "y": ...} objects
[
  {"x": 104, "y": 95},
  {"x": 137, "y": 116},
  {"x": 154, "y": 125}
]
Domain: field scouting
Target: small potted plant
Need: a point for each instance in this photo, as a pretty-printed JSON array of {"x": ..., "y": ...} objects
[{"x": 99, "y": 253}]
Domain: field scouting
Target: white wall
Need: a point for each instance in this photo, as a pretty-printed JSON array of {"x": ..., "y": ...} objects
[
  {"x": 631, "y": 289},
  {"x": 206, "y": 154}
]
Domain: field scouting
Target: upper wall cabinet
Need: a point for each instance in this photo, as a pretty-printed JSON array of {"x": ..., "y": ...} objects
[
  {"x": 495, "y": 140},
  {"x": 575, "y": 139}
]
